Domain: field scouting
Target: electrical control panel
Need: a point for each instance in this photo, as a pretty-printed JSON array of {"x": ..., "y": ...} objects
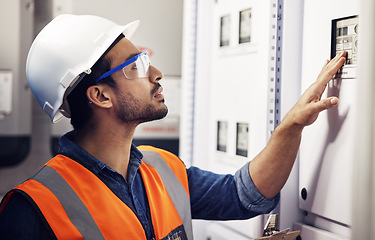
[
  {"x": 326, "y": 152},
  {"x": 15, "y": 96}
]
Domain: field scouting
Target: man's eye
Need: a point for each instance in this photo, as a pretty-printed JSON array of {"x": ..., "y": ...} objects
[{"x": 134, "y": 66}]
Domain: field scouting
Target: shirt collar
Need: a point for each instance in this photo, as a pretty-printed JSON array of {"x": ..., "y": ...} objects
[{"x": 69, "y": 148}]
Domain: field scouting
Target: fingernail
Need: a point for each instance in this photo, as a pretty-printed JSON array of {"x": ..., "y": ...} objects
[{"x": 334, "y": 101}]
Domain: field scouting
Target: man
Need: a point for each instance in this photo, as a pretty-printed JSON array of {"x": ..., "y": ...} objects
[{"x": 101, "y": 186}]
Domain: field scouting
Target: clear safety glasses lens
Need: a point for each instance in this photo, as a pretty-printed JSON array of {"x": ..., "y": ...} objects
[
  {"x": 139, "y": 68},
  {"x": 136, "y": 67}
]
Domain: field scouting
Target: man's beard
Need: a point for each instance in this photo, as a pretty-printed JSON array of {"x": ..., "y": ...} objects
[{"x": 131, "y": 110}]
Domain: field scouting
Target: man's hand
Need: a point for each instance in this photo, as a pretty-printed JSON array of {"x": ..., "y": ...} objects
[
  {"x": 308, "y": 107},
  {"x": 270, "y": 169}
]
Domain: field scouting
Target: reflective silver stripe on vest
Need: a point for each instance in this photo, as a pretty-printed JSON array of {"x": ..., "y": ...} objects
[
  {"x": 175, "y": 190},
  {"x": 72, "y": 204}
]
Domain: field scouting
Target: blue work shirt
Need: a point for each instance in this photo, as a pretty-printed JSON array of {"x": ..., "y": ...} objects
[{"x": 212, "y": 196}]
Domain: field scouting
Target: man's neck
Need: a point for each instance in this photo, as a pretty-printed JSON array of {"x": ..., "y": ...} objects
[{"x": 110, "y": 145}]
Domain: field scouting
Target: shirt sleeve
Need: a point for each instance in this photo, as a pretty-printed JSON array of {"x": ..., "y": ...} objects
[
  {"x": 249, "y": 195},
  {"x": 225, "y": 196},
  {"x": 20, "y": 220}
]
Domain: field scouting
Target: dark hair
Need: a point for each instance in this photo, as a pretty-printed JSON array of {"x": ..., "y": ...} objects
[{"x": 80, "y": 110}]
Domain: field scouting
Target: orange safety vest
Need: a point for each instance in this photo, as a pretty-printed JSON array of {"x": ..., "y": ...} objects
[{"x": 78, "y": 205}]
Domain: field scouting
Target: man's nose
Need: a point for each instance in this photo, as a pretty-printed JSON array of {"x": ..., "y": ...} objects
[{"x": 154, "y": 74}]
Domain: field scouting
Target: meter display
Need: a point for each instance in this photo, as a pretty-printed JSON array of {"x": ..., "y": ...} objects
[
  {"x": 245, "y": 26},
  {"x": 345, "y": 38},
  {"x": 222, "y": 128},
  {"x": 224, "y": 30},
  {"x": 242, "y": 139}
]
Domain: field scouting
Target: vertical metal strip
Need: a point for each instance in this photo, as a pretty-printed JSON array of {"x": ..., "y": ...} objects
[
  {"x": 275, "y": 50},
  {"x": 194, "y": 76},
  {"x": 274, "y": 81},
  {"x": 188, "y": 81}
]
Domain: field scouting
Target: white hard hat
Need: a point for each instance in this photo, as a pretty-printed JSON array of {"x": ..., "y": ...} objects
[{"x": 64, "y": 52}]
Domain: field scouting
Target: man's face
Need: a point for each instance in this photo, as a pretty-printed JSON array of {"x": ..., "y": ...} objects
[{"x": 136, "y": 100}]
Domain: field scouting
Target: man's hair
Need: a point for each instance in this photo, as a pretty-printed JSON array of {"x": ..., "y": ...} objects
[{"x": 80, "y": 110}]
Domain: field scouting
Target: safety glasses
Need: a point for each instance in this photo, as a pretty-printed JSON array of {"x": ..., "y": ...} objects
[{"x": 136, "y": 67}]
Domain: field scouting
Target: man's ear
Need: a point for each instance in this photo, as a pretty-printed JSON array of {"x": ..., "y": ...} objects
[{"x": 99, "y": 95}]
